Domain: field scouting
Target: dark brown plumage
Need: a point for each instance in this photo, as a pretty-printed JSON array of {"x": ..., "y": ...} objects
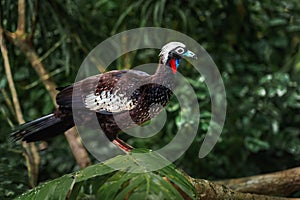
[{"x": 112, "y": 95}]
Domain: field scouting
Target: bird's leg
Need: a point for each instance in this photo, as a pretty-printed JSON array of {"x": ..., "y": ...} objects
[{"x": 122, "y": 145}]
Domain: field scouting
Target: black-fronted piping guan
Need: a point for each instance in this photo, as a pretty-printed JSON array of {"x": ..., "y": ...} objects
[{"x": 110, "y": 95}]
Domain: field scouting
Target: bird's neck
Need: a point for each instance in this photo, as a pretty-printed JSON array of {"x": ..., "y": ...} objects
[{"x": 165, "y": 74}]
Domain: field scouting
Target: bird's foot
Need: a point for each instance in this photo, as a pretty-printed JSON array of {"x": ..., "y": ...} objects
[{"x": 122, "y": 145}]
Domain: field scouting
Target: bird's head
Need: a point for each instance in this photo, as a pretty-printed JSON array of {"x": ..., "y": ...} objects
[{"x": 172, "y": 53}]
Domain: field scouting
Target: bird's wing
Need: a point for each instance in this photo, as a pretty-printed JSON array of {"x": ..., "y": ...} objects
[{"x": 106, "y": 93}]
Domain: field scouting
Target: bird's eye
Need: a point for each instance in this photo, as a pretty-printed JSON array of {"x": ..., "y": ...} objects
[{"x": 179, "y": 50}]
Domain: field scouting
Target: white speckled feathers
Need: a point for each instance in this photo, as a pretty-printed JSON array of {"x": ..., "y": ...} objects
[
  {"x": 110, "y": 92},
  {"x": 109, "y": 101}
]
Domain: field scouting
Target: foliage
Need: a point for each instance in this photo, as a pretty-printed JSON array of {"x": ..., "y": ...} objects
[
  {"x": 13, "y": 174},
  {"x": 255, "y": 44},
  {"x": 103, "y": 182}
]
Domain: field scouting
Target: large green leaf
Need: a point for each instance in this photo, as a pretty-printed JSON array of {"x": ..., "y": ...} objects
[
  {"x": 55, "y": 189},
  {"x": 129, "y": 182}
]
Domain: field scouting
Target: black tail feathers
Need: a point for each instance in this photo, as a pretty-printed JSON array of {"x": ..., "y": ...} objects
[{"x": 42, "y": 128}]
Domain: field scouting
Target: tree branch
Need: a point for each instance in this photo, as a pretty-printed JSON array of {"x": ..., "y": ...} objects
[
  {"x": 30, "y": 154},
  {"x": 257, "y": 187},
  {"x": 76, "y": 146},
  {"x": 81, "y": 155},
  {"x": 282, "y": 183},
  {"x": 10, "y": 78},
  {"x": 20, "y": 39},
  {"x": 21, "y": 17},
  {"x": 34, "y": 20},
  {"x": 37, "y": 65},
  {"x": 209, "y": 190}
]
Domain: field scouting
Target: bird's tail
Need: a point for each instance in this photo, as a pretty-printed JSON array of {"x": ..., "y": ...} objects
[{"x": 42, "y": 128}]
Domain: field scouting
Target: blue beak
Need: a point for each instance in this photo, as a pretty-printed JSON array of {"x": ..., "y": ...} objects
[{"x": 190, "y": 54}]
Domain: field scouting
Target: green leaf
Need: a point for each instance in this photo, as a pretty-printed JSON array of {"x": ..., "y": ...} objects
[
  {"x": 3, "y": 82},
  {"x": 56, "y": 189},
  {"x": 134, "y": 183},
  {"x": 277, "y": 22},
  {"x": 92, "y": 171},
  {"x": 121, "y": 184},
  {"x": 255, "y": 145},
  {"x": 113, "y": 185},
  {"x": 179, "y": 180}
]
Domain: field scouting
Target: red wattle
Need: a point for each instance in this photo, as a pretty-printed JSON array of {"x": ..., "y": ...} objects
[{"x": 173, "y": 65}]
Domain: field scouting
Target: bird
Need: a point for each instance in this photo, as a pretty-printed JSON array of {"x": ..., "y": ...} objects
[{"x": 112, "y": 95}]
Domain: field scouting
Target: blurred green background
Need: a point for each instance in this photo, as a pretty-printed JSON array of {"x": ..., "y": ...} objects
[{"x": 255, "y": 44}]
